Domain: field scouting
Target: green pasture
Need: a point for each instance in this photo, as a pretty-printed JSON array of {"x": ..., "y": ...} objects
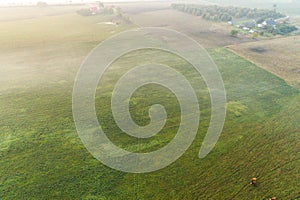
[{"x": 42, "y": 157}]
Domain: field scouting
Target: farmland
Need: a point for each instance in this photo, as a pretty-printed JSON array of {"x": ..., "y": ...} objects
[
  {"x": 208, "y": 34},
  {"x": 42, "y": 156},
  {"x": 271, "y": 56}
]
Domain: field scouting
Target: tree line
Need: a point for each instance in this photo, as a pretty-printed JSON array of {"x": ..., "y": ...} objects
[
  {"x": 283, "y": 29},
  {"x": 218, "y": 13}
]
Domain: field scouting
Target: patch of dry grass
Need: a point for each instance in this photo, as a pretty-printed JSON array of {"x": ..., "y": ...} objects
[{"x": 278, "y": 56}]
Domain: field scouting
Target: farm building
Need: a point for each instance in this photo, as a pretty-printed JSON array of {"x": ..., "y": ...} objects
[
  {"x": 248, "y": 25},
  {"x": 270, "y": 22}
]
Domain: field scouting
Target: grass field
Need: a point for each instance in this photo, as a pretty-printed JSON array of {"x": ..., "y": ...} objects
[
  {"x": 42, "y": 156},
  {"x": 279, "y": 56}
]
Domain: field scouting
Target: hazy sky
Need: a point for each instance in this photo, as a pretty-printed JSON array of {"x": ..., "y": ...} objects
[
  {"x": 49, "y": 1},
  {"x": 86, "y": 1}
]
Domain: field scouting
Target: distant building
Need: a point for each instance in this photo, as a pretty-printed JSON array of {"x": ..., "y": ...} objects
[
  {"x": 270, "y": 22},
  {"x": 260, "y": 25},
  {"x": 253, "y": 31},
  {"x": 249, "y": 25},
  {"x": 231, "y": 23}
]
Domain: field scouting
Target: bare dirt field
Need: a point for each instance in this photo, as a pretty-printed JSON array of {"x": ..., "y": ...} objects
[
  {"x": 138, "y": 7},
  {"x": 147, "y": 6},
  {"x": 278, "y": 56},
  {"x": 208, "y": 34}
]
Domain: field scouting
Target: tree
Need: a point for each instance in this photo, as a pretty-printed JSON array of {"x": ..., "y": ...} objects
[
  {"x": 108, "y": 10},
  {"x": 101, "y": 5},
  {"x": 262, "y": 33},
  {"x": 219, "y": 13},
  {"x": 275, "y": 6},
  {"x": 285, "y": 28},
  {"x": 260, "y": 20},
  {"x": 234, "y": 33},
  {"x": 119, "y": 12},
  {"x": 255, "y": 35}
]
